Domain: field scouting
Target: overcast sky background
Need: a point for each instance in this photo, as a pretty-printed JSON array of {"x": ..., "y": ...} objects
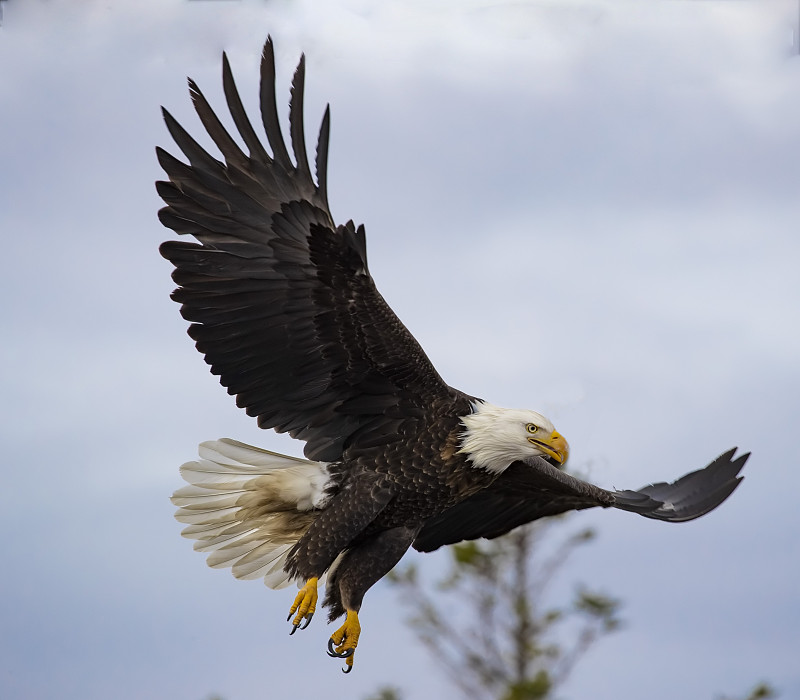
[{"x": 587, "y": 208}]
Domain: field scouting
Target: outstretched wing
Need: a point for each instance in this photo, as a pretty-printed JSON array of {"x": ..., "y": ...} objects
[
  {"x": 280, "y": 299},
  {"x": 535, "y": 489}
]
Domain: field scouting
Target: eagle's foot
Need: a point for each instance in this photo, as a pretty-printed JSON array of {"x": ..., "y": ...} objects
[
  {"x": 304, "y": 605},
  {"x": 343, "y": 642}
]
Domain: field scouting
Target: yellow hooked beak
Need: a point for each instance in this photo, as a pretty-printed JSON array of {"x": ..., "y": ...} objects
[{"x": 554, "y": 446}]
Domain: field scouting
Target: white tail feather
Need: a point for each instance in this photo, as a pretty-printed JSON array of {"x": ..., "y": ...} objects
[{"x": 247, "y": 507}]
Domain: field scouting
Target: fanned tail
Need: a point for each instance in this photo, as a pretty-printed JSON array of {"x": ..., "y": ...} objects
[{"x": 247, "y": 507}]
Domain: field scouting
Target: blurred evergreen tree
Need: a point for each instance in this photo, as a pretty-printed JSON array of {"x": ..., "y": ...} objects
[
  {"x": 762, "y": 691},
  {"x": 489, "y": 623},
  {"x": 502, "y": 639},
  {"x": 386, "y": 693}
]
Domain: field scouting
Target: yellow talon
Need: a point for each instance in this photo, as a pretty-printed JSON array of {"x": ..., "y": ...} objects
[
  {"x": 345, "y": 639},
  {"x": 305, "y": 603}
]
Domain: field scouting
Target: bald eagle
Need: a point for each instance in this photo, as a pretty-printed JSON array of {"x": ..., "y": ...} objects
[{"x": 283, "y": 307}]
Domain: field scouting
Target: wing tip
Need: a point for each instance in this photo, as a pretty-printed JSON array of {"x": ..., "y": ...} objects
[
  {"x": 321, "y": 160},
  {"x": 296, "y": 118},
  {"x": 692, "y": 495},
  {"x": 194, "y": 89}
]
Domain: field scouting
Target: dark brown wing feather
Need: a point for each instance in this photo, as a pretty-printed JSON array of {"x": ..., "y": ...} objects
[
  {"x": 280, "y": 299},
  {"x": 530, "y": 490}
]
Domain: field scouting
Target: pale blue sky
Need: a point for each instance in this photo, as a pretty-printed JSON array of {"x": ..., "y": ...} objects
[{"x": 584, "y": 208}]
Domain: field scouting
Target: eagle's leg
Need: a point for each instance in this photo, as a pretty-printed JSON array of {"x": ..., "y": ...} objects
[
  {"x": 361, "y": 567},
  {"x": 333, "y": 529},
  {"x": 304, "y": 605}
]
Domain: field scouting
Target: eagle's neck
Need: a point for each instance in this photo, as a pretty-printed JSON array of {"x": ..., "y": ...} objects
[{"x": 485, "y": 441}]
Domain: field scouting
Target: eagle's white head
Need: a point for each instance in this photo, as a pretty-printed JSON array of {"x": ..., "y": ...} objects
[{"x": 495, "y": 437}]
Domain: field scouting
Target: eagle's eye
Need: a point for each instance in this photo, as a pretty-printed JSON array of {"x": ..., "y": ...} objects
[{"x": 531, "y": 428}]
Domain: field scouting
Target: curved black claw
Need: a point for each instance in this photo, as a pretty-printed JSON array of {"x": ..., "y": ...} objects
[
  {"x": 339, "y": 655},
  {"x": 347, "y": 669},
  {"x": 297, "y": 625}
]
